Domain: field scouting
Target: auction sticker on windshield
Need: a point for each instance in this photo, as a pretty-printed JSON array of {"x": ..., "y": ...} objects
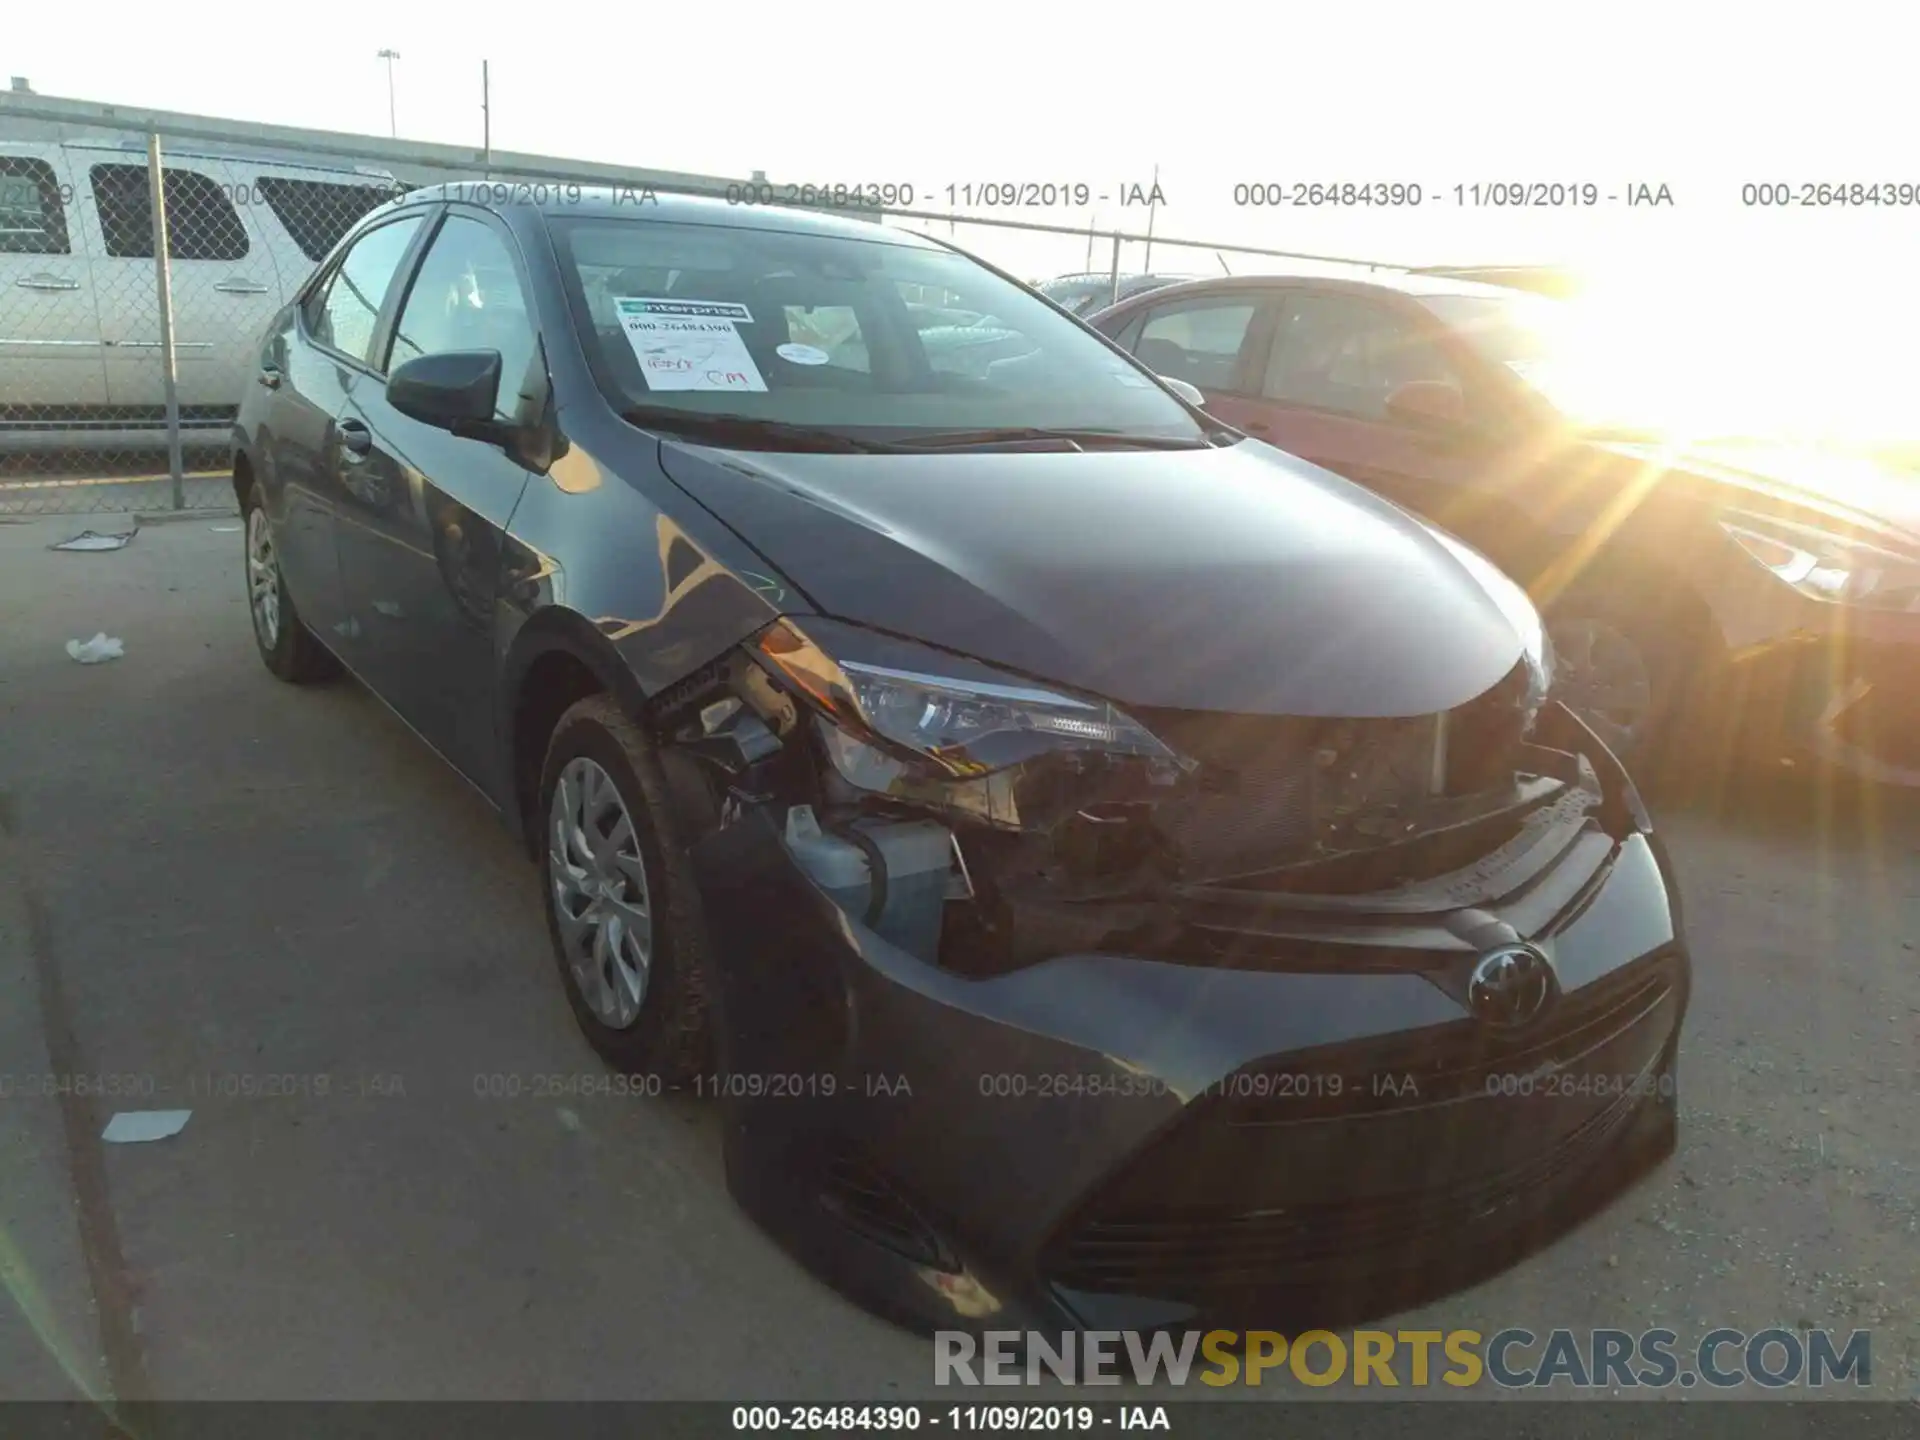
[{"x": 689, "y": 344}]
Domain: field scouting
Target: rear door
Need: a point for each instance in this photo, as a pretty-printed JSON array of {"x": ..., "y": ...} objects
[
  {"x": 424, "y": 512},
  {"x": 225, "y": 286},
  {"x": 50, "y": 356},
  {"x": 327, "y": 350}
]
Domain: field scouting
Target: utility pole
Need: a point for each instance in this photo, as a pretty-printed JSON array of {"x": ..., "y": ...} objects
[
  {"x": 486, "y": 120},
  {"x": 393, "y": 125}
]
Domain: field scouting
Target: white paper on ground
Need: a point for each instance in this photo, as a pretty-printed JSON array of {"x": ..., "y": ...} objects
[
  {"x": 101, "y": 647},
  {"x": 226, "y": 529},
  {"x": 129, "y": 1127},
  {"x": 689, "y": 344},
  {"x": 94, "y": 540}
]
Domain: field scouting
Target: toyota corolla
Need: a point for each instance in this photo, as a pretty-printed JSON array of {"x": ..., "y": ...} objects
[{"x": 1109, "y": 871}]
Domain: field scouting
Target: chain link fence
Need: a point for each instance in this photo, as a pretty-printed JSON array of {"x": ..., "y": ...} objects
[{"x": 136, "y": 277}]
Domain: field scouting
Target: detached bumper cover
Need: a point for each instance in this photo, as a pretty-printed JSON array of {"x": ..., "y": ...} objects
[
  {"x": 1836, "y": 683},
  {"x": 1105, "y": 1140}
]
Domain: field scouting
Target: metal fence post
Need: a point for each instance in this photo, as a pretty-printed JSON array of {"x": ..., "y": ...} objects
[
  {"x": 1114, "y": 297},
  {"x": 163, "y": 278}
]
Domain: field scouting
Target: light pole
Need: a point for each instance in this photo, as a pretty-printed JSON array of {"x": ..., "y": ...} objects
[
  {"x": 1153, "y": 204},
  {"x": 393, "y": 127}
]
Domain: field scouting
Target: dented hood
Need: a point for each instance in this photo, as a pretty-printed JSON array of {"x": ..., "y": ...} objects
[{"x": 1232, "y": 579}]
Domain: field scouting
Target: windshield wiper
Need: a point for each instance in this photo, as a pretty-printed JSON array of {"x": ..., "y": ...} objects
[
  {"x": 1025, "y": 436},
  {"x": 747, "y": 430}
]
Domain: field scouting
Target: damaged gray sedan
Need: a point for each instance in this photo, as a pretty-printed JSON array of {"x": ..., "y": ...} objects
[{"x": 1111, "y": 873}]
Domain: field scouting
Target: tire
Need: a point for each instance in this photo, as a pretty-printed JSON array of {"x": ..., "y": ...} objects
[
  {"x": 1613, "y": 625},
  {"x": 286, "y": 646},
  {"x": 667, "y": 1034}
]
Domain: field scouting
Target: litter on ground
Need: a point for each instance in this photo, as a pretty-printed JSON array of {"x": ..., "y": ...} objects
[
  {"x": 129, "y": 1127},
  {"x": 101, "y": 647},
  {"x": 94, "y": 540}
]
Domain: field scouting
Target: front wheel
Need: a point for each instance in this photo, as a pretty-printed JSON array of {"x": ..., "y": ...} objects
[
  {"x": 623, "y": 911},
  {"x": 1625, "y": 661}
]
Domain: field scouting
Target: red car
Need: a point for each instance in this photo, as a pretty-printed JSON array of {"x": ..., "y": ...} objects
[{"x": 1780, "y": 593}]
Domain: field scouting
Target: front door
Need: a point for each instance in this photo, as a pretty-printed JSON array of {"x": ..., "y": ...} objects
[{"x": 425, "y": 514}]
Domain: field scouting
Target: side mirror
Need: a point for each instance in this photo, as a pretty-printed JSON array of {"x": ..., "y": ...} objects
[
  {"x": 1429, "y": 404},
  {"x": 1189, "y": 393},
  {"x": 456, "y": 390}
]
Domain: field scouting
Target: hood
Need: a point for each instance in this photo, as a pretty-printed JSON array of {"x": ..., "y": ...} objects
[
  {"x": 1236, "y": 579},
  {"x": 1857, "y": 492}
]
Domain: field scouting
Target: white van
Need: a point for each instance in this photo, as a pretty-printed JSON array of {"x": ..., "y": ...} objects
[{"x": 79, "y": 299}]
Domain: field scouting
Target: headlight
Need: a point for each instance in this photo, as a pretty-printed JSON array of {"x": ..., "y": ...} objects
[
  {"x": 1539, "y": 673},
  {"x": 906, "y": 720},
  {"x": 1835, "y": 568}
]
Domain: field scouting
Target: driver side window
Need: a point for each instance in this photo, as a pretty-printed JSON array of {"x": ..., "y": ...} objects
[{"x": 467, "y": 296}]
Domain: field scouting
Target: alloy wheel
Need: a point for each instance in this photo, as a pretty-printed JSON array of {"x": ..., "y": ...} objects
[
  {"x": 1601, "y": 674},
  {"x": 263, "y": 580},
  {"x": 600, "y": 899}
]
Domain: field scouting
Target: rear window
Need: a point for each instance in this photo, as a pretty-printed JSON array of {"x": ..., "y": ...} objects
[
  {"x": 839, "y": 332},
  {"x": 201, "y": 221},
  {"x": 316, "y": 213}
]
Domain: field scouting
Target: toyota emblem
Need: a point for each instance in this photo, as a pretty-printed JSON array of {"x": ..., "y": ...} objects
[{"x": 1509, "y": 986}]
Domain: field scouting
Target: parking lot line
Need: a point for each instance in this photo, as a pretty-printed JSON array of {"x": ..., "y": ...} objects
[{"x": 70, "y": 483}]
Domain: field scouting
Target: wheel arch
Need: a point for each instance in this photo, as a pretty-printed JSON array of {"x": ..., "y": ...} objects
[
  {"x": 1552, "y": 563},
  {"x": 555, "y": 660},
  {"x": 242, "y": 477}
]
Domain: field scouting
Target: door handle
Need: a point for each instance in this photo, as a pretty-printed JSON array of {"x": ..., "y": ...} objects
[
  {"x": 241, "y": 287},
  {"x": 46, "y": 282},
  {"x": 355, "y": 438},
  {"x": 269, "y": 376}
]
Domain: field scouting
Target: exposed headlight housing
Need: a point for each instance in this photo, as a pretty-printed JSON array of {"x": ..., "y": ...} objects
[
  {"x": 1536, "y": 647},
  {"x": 919, "y": 724},
  {"x": 1837, "y": 569}
]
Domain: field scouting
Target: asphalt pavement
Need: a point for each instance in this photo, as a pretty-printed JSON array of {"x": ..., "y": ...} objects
[{"x": 274, "y": 908}]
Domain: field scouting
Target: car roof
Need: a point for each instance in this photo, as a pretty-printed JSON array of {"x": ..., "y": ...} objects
[
  {"x": 239, "y": 153},
  {"x": 1103, "y": 277},
  {"x": 638, "y": 202},
  {"x": 1402, "y": 282}
]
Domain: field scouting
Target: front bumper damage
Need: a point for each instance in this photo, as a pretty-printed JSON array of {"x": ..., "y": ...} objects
[{"x": 1253, "y": 1095}]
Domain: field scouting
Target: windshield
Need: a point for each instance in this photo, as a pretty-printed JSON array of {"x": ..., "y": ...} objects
[{"x": 871, "y": 338}]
